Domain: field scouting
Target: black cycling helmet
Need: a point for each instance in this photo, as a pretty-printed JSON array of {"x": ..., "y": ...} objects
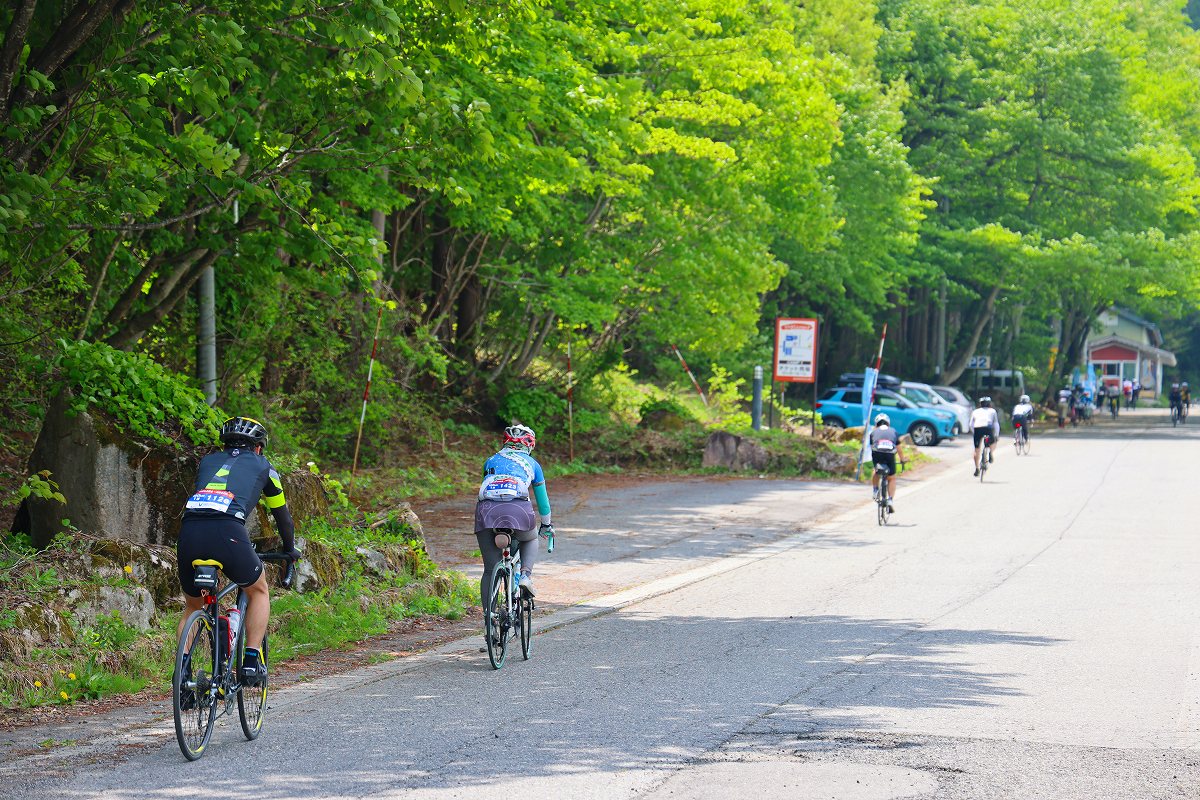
[{"x": 244, "y": 432}]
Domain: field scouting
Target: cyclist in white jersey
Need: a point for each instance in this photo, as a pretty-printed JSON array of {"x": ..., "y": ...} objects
[
  {"x": 985, "y": 425},
  {"x": 1022, "y": 416}
]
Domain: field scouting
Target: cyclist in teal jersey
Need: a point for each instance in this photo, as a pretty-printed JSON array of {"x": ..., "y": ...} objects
[{"x": 504, "y": 502}]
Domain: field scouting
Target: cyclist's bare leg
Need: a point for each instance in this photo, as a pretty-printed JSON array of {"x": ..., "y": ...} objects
[
  {"x": 892, "y": 486},
  {"x": 258, "y": 610},
  {"x": 977, "y": 452},
  {"x": 874, "y": 480},
  {"x": 190, "y": 604}
]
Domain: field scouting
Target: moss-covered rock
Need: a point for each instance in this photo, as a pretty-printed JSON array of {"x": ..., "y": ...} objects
[
  {"x": 322, "y": 566},
  {"x": 773, "y": 451},
  {"x": 119, "y": 487}
]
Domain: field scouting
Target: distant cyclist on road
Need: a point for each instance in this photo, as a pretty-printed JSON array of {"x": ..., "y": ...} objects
[
  {"x": 985, "y": 423},
  {"x": 508, "y": 478},
  {"x": 1175, "y": 399},
  {"x": 1022, "y": 416},
  {"x": 229, "y": 484},
  {"x": 885, "y": 444},
  {"x": 1187, "y": 397}
]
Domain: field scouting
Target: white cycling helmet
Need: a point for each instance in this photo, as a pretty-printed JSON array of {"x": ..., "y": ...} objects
[
  {"x": 1024, "y": 398},
  {"x": 882, "y": 419},
  {"x": 520, "y": 437}
]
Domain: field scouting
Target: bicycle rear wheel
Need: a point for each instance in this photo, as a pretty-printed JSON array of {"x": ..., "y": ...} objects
[
  {"x": 252, "y": 700},
  {"x": 495, "y": 620},
  {"x": 195, "y": 702},
  {"x": 525, "y": 610}
]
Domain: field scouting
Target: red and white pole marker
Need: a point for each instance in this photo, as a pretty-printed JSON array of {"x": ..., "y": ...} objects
[
  {"x": 570, "y": 401},
  {"x": 366, "y": 392},
  {"x": 688, "y": 370}
]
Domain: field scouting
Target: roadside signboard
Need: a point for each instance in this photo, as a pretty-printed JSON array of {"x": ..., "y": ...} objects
[
  {"x": 979, "y": 362},
  {"x": 796, "y": 350}
]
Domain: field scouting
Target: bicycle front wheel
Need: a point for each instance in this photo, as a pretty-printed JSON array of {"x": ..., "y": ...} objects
[
  {"x": 192, "y": 686},
  {"x": 252, "y": 700},
  {"x": 495, "y": 620}
]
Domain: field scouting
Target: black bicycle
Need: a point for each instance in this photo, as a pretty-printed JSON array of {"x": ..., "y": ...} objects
[
  {"x": 1176, "y": 416},
  {"x": 206, "y": 681},
  {"x": 508, "y": 607},
  {"x": 883, "y": 502},
  {"x": 984, "y": 452}
]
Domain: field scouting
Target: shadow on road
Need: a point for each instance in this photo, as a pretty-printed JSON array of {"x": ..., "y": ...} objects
[{"x": 632, "y": 692}]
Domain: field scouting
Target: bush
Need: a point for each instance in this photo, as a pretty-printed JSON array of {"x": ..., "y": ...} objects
[
  {"x": 142, "y": 397},
  {"x": 668, "y": 405},
  {"x": 535, "y": 406}
]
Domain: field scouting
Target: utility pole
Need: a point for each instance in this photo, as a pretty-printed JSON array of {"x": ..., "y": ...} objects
[
  {"x": 940, "y": 367},
  {"x": 206, "y": 334}
]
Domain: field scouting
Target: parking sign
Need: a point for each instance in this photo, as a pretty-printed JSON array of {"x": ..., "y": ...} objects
[{"x": 796, "y": 350}]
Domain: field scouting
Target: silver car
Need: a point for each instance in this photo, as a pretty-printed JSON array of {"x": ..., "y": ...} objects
[
  {"x": 955, "y": 397},
  {"x": 928, "y": 397}
]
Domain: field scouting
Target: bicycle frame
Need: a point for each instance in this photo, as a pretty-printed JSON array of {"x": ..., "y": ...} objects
[{"x": 221, "y": 685}]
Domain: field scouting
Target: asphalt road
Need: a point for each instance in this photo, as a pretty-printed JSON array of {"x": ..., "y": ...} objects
[{"x": 1034, "y": 636}]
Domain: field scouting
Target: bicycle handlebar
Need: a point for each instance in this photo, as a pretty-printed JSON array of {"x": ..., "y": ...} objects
[{"x": 290, "y": 574}]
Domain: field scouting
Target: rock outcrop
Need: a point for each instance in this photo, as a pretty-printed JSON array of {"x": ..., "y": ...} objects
[
  {"x": 120, "y": 488},
  {"x": 744, "y": 454}
]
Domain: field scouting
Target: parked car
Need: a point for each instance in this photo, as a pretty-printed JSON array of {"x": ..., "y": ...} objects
[
  {"x": 926, "y": 396},
  {"x": 883, "y": 381},
  {"x": 841, "y": 407},
  {"x": 955, "y": 395}
]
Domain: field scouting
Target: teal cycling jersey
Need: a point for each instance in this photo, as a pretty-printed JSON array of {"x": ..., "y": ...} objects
[{"x": 511, "y": 475}]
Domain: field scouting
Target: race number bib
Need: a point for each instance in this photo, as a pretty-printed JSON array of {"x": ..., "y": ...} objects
[
  {"x": 210, "y": 500},
  {"x": 503, "y": 487},
  {"x": 885, "y": 445}
]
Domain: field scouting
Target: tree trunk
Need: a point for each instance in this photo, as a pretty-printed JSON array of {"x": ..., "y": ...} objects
[{"x": 958, "y": 364}]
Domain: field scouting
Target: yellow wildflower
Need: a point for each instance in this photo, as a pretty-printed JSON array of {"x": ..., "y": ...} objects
[
  {"x": 63, "y": 695},
  {"x": 128, "y": 570},
  {"x": 71, "y": 675},
  {"x": 37, "y": 684}
]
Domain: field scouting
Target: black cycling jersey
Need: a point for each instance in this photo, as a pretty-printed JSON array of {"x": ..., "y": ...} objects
[{"x": 229, "y": 483}]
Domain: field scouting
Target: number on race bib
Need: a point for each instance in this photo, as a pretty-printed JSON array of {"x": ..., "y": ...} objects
[{"x": 210, "y": 500}]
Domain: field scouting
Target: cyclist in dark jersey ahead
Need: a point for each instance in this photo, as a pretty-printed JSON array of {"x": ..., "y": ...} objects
[
  {"x": 885, "y": 443},
  {"x": 228, "y": 486},
  {"x": 508, "y": 477}
]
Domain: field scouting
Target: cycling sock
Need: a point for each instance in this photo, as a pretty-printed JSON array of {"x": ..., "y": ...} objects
[{"x": 251, "y": 658}]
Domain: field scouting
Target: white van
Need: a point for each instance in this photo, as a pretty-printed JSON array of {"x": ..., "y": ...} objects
[{"x": 1010, "y": 382}]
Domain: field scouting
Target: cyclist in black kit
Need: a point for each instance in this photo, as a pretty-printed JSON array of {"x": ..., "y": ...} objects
[{"x": 229, "y": 484}]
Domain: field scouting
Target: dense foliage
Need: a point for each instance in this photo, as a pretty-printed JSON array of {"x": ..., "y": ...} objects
[{"x": 510, "y": 178}]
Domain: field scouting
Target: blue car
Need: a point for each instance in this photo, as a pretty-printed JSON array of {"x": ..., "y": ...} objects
[{"x": 842, "y": 408}]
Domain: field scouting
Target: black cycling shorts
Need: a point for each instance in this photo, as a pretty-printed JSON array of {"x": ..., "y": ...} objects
[
  {"x": 983, "y": 433},
  {"x": 886, "y": 459},
  {"x": 221, "y": 539}
]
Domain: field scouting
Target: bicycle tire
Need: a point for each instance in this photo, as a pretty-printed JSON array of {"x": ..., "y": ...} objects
[
  {"x": 525, "y": 609},
  {"x": 251, "y": 700},
  {"x": 495, "y": 620},
  {"x": 194, "y": 725}
]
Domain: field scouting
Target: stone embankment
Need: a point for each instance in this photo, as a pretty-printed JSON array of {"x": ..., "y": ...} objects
[{"x": 116, "y": 554}]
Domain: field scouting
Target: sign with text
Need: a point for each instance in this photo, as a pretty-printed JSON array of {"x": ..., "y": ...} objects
[
  {"x": 796, "y": 350},
  {"x": 979, "y": 362}
]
